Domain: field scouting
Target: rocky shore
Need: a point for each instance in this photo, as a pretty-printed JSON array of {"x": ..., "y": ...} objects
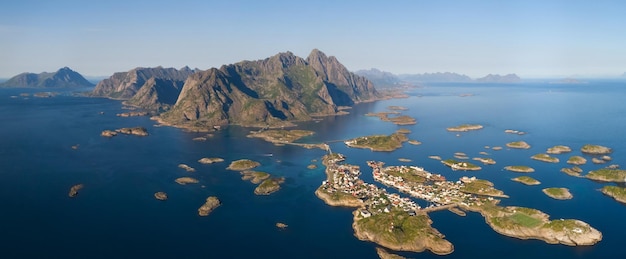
[
  {"x": 518, "y": 145},
  {"x": 211, "y": 203},
  {"x": 160, "y": 196},
  {"x": 137, "y": 131},
  {"x": 210, "y": 160},
  {"x": 74, "y": 190},
  {"x": 560, "y": 149},
  {"x": 545, "y": 158},
  {"x": 595, "y": 149},
  {"x": 577, "y": 160},
  {"x": 242, "y": 165},
  {"x": 615, "y": 192},
  {"x": 558, "y": 193},
  {"x": 519, "y": 169},
  {"x": 527, "y": 180},
  {"x": 465, "y": 127},
  {"x": 187, "y": 168},
  {"x": 186, "y": 180},
  {"x": 269, "y": 186}
]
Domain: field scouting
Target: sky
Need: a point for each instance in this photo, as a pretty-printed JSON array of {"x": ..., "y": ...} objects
[{"x": 530, "y": 38}]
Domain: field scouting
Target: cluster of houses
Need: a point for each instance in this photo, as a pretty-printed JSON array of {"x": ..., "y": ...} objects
[{"x": 434, "y": 189}]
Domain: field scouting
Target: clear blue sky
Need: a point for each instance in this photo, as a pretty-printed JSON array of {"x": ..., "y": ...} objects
[{"x": 530, "y": 38}]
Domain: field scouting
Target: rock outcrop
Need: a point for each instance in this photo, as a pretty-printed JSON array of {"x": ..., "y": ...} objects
[
  {"x": 211, "y": 203},
  {"x": 64, "y": 77}
]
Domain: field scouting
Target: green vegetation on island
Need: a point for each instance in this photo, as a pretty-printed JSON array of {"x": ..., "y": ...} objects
[
  {"x": 577, "y": 160},
  {"x": 558, "y": 193},
  {"x": 574, "y": 171},
  {"x": 242, "y": 165},
  {"x": 269, "y": 186},
  {"x": 545, "y": 158},
  {"x": 518, "y": 144},
  {"x": 254, "y": 176},
  {"x": 465, "y": 127},
  {"x": 403, "y": 131},
  {"x": 616, "y": 192},
  {"x": 607, "y": 175},
  {"x": 555, "y": 150},
  {"x": 186, "y": 180},
  {"x": 519, "y": 168},
  {"x": 480, "y": 187},
  {"x": 398, "y": 120},
  {"x": 458, "y": 165},
  {"x": 399, "y": 231},
  {"x": 280, "y": 135},
  {"x": 378, "y": 142},
  {"x": 595, "y": 149},
  {"x": 527, "y": 180}
]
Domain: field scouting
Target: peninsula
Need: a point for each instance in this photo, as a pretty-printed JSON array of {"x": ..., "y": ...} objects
[
  {"x": 558, "y": 193},
  {"x": 615, "y": 192},
  {"x": 518, "y": 145},
  {"x": 545, "y": 158},
  {"x": 519, "y": 168},
  {"x": 527, "y": 180},
  {"x": 378, "y": 142},
  {"x": 465, "y": 127}
]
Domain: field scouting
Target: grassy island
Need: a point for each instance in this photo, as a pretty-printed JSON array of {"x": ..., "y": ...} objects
[
  {"x": 608, "y": 175},
  {"x": 398, "y": 120},
  {"x": 242, "y": 165},
  {"x": 616, "y": 192},
  {"x": 465, "y": 127},
  {"x": 527, "y": 180},
  {"x": 254, "y": 176},
  {"x": 577, "y": 160},
  {"x": 210, "y": 160},
  {"x": 399, "y": 231},
  {"x": 574, "y": 171},
  {"x": 486, "y": 161},
  {"x": 595, "y": 149},
  {"x": 545, "y": 158},
  {"x": 559, "y": 150},
  {"x": 518, "y": 145},
  {"x": 481, "y": 187},
  {"x": 397, "y": 108},
  {"x": 379, "y": 142},
  {"x": 527, "y": 223},
  {"x": 558, "y": 193},
  {"x": 269, "y": 186},
  {"x": 280, "y": 135},
  {"x": 457, "y": 165},
  {"x": 186, "y": 180},
  {"x": 403, "y": 131},
  {"x": 519, "y": 168}
]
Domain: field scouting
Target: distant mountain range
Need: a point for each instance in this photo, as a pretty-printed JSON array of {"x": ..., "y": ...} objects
[
  {"x": 272, "y": 91},
  {"x": 387, "y": 79},
  {"x": 64, "y": 77}
]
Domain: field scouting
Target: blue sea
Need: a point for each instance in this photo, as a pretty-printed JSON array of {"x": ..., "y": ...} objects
[{"x": 116, "y": 216}]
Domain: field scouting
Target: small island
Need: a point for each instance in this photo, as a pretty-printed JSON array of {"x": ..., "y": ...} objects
[
  {"x": 404, "y": 159},
  {"x": 558, "y": 193},
  {"x": 186, "y": 180},
  {"x": 518, "y": 145},
  {"x": 486, "y": 161},
  {"x": 210, "y": 160},
  {"x": 527, "y": 180},
  {"x": 596, "y": 160},
  {"x": 397, "y": 108},
  {"x": 457, "y": 165},
  {"x": 615, "y": 192},
  {"x": 211, "y": 203},
  {"x": 269, "y": 186},
  {"x": 545, "y": 158},
  {"x": 510, "y": 131},
  {"x": 280, "y": 136},
  {"x": 160, "y": 196},
  {"x": 519, "y": 168},
  {"x": 187, "y": 168},
  {"x": 480, "y": 187},
  {"x": 132, "y": 114},
  {"x": 555, "y": 150},
  {"x": 465, "y": 127},
  {"x": 281, "y": 225},
  {"x": 435, "y": 157},
  {"x": 574, "y": 171},
  {"x": 74, "y": 190},
  {"x": 496, "y": 148},
  {"x": 414, "y": 142},
  {"x": 607, "y": 175},
  {"x": 595, "y": 149},
  {"x": 311, "y": 166},
  {"x": 378, "y": 142},
  {"x": 577, "y": 160},
  {"x": 137, "y": 131},
  {"x": 398, "y": 120},
  {"x": 254, "y": 176},
  {"x": 242, "y": 165}
]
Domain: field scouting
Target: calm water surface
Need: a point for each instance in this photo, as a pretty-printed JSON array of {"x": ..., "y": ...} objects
[{"x": 116, "y": 215}]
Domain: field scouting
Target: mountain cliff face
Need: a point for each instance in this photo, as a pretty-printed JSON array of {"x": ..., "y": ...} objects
[
  {"x": 64, "y": 77},
  {"x": 124, "y": 85},
  {"x": 272, "y": 91},
  {"x": 380, "y": 78}
]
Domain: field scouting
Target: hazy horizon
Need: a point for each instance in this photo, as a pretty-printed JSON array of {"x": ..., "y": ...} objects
[{"x": 533, "y": 39}]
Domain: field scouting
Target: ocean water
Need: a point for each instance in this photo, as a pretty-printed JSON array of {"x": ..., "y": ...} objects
[{"x": 116, "y": 215}]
